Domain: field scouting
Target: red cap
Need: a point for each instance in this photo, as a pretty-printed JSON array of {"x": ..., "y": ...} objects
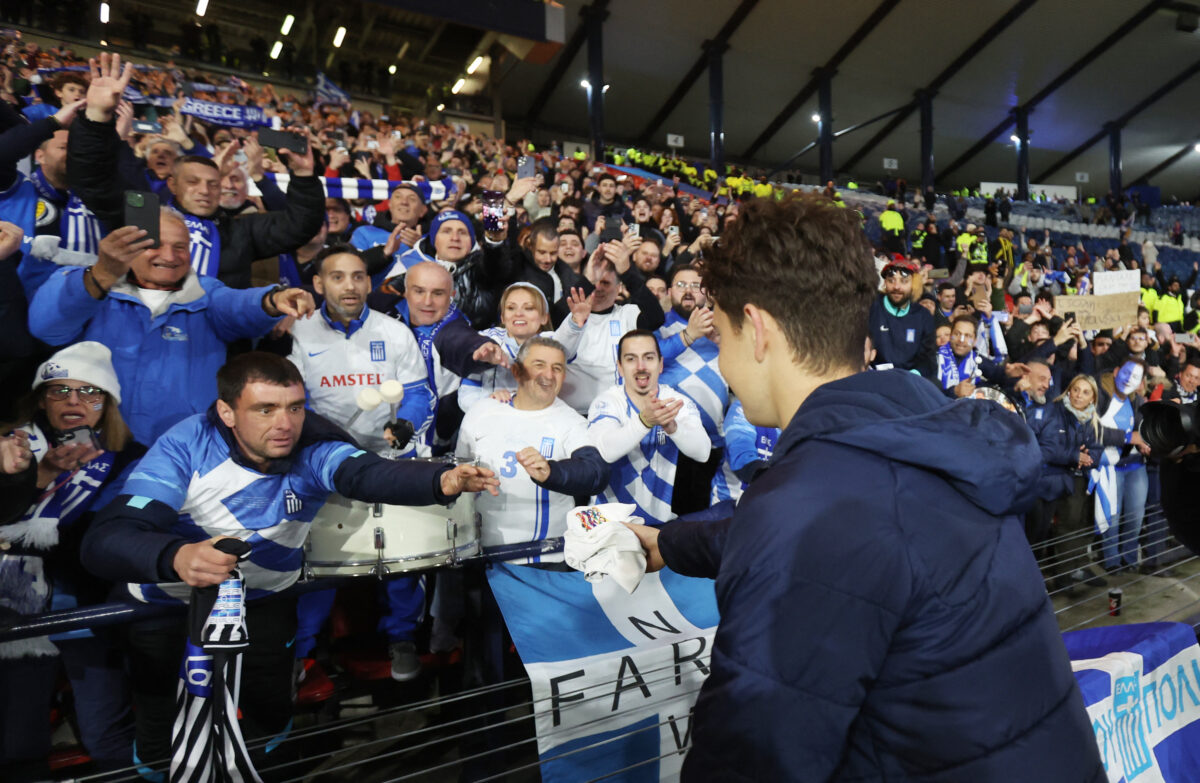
[{"x": 899, "y": 262}]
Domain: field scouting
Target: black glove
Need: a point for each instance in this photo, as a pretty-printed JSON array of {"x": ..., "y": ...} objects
[{"x": 399, "y": 432}]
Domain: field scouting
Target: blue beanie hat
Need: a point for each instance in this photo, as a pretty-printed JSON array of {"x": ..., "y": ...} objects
[{"x": 445, "y": 217}]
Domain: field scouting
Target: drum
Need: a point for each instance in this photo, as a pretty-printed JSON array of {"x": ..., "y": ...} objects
[{"x": 355, "y": 538}]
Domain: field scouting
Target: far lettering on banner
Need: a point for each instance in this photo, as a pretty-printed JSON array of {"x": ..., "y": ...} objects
[
  {"x": 1141, "y": 688},
  {"x": 1124, "y": 282},
  {"x": 1110, "y": 311},
  {"x": 614, "y": 675}
]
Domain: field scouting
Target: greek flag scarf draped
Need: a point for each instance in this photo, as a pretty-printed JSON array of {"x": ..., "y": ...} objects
[
  {"x": 1102, "y": 479},
  {"x": 204, "y": 242},
  {"x": 206, "y": 741},
  {"x": 950, "y": 372}
]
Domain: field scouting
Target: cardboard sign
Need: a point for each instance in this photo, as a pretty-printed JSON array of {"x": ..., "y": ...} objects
[
  {"x": 937, "y": 274},
  {"x": 1123, "y": 282},
  {"x": 1100, "y": 312}
]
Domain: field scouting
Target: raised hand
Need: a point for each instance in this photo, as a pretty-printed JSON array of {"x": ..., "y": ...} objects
[
  {"x": 124, "y": 120},
  {"x": 700, "y": 323},
  {"x": 118, "y": 251},
  {"x": 109, "y": 80},
  {"x": 295, "y": 302},
  {"x": 66, "y": 115},
  {"x": 662, "y": 413},
  {"x": 619, "y": 253},
  {"x": 15, "y": 454},
  {"x": 254, "y": 157},
  {"x": 520, "y": 189},
  {"x": 301, "y": 165},
  {"x": 580, "y": 306},
  {"x": 469, "y": 478},
  {"x": 491, "y": 353},
  {"x": 338, "y": 158},
  {"x": 11, "y": 236}
]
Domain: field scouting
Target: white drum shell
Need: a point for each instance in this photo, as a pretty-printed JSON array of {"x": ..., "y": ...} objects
[{"x": 343, "y": 539}]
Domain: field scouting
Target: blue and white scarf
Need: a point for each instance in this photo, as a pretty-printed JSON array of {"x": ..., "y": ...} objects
[
  {"x": 204, "y": 243},
  {"x": 952, "y": 371},
  {"x": 25, "y": 588},
  {"x": 78, "y": 228}
]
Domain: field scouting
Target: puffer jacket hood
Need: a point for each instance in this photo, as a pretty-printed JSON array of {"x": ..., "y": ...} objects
[{"x": 980, "y": 448}]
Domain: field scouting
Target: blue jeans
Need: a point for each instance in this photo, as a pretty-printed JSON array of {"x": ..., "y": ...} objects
[{"x": 1120, "y": 543}]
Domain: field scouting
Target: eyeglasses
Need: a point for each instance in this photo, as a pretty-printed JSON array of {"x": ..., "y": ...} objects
[
  {"x": 903, "y": 274},
  {"x": 682, "y": 286},
  {"x": 86, "y": 393}
]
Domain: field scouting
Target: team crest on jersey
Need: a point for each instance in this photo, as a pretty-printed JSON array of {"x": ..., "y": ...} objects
[
  {"x": 378, "y": 352},
  {"x": 614, "y": 328},
  {"x": 291, "y": 502},
  {"x": 44, "y": 214},
  {"x": 174, "y": 334},
  {"x": 547, "y": 449}
]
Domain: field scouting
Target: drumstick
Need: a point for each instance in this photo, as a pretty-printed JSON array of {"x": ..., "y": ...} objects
[
  {"x": 368, "y": 400},
  {"x": 392, "y": 392}
]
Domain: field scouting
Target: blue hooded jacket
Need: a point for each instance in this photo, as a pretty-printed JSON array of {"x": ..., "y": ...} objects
[
  {"x": 882, "y": 616},
  {"x": 167, "y": 362}
]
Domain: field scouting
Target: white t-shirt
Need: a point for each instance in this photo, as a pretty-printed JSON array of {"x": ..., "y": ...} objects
[
  {"x": 493, "y": 432},
  {"x": 595, "y": 367}
]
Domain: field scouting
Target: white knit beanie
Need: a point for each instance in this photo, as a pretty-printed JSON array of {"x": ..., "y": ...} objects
[{"x": 89, "y": 362}]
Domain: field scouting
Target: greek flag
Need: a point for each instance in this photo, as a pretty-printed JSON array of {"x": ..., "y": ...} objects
[
  {"x": 328, "y": 92},
  {"x": 1141, "y": 687},
  {"x": 614, "y": 675}
]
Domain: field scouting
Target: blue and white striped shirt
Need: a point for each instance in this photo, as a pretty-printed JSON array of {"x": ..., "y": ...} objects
[
  {"x": 190, "y": 469},
  {"x": 643, "y": 460},
  {"x": 693, "y": 370}
]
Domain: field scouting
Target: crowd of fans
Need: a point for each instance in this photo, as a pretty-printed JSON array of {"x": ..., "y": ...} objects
[{"x": 544, "y": 316}]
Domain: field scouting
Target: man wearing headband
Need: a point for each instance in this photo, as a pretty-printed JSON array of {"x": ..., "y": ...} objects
[{"x": 903, "y": 335}]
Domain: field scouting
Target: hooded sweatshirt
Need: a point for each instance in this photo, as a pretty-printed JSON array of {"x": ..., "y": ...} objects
[{"x": 882, "y": 616}]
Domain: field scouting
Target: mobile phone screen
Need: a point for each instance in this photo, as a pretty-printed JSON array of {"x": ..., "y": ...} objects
[{"x": 282, "y": 140}]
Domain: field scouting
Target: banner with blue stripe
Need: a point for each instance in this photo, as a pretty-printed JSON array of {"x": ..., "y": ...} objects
[
  {"x": 614, "y": 675},
  {"x": 1141, "y": 687}
]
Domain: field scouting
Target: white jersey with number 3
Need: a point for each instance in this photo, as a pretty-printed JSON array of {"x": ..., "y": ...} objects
[{"x": 493, "y": 432}]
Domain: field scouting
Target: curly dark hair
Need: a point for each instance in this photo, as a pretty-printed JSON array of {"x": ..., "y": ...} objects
[{"x": 808, "y": 263}]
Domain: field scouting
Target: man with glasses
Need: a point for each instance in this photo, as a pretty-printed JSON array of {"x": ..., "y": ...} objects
[
  {"x": 690, "y": 367},
  {"x": 903, "y": 335},
  {"x": 959, "y": 366}
]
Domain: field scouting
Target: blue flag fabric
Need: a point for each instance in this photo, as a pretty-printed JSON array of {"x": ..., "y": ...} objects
[
  {"x": 1141, "y": 687},
  {"x": 614, "y": 675},
  {"x": 328, "y": 92}
]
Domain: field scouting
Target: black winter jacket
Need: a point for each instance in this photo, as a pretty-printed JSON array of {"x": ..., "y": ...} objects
[{"x": 93, "y": 149}]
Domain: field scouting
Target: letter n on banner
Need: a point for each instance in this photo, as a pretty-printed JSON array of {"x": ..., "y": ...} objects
[{"x": 614, "y": 675}]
